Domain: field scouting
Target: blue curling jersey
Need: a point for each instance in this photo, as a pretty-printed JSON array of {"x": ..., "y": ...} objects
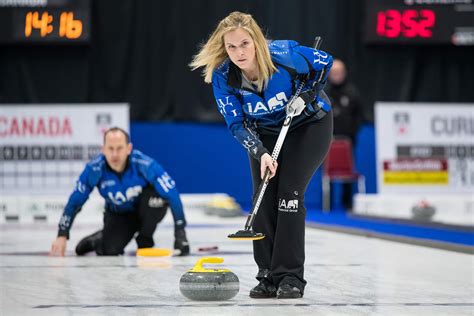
[
  {"x": 249, "y": 113},
  {"x": 121, "y": 191}
]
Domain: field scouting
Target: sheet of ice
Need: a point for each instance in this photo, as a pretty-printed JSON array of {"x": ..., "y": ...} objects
[{"x": 346, "y": 274}]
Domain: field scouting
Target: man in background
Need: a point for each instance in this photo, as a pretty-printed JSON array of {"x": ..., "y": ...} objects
[
  {"x": 137, "y": 193},
  {"x": 347, "y": 112},
  {"x": 345, "y": 101}
]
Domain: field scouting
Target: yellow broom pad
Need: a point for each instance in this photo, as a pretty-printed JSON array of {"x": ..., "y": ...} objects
[{"x": 154, "y": 252}]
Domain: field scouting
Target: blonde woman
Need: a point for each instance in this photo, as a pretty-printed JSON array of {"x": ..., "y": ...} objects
[{"x": 252, "y": 80}]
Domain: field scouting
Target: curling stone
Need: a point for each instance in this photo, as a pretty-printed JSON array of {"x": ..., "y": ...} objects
[
  {"x": 201, "y": 284},
  {"x": 423, "y": 211},
  {"x": 223, "y": 207}
]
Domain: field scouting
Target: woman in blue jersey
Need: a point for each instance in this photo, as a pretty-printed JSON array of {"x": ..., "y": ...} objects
[{"x": 252, "y": 80}]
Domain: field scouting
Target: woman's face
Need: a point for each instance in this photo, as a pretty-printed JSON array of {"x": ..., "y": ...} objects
[{"x": 241, "y": 49}]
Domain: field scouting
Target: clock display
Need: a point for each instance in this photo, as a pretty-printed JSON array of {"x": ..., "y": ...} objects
[
  {"x": 420, "y": 22},
  {"x": 55, "y": 22}
]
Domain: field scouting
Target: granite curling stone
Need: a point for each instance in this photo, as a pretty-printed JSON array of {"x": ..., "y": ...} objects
[
  {"x": 201, "y": 284},
  {"x": 423, "y": 211}
]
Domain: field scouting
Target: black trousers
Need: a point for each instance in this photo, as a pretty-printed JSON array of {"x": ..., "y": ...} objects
[
  {"x": 119, "y": 229},
  {"x": 280, "y": 255}
]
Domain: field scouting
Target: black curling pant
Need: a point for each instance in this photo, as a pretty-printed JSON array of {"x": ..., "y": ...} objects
[
  {"x": 281, "y": 217},
  {"x": 119, "y": 229}
]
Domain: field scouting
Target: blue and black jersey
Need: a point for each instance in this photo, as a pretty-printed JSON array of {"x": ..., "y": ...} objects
[
  {"x": 121, "y": 190},
  {"x": 249, "y": 113}
]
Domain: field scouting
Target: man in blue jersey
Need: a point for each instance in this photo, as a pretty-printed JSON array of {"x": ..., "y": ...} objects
[{"x": 137, "y": 193}]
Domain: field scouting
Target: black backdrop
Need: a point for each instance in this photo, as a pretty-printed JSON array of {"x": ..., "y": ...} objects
[{"x": 140, "y": 50}]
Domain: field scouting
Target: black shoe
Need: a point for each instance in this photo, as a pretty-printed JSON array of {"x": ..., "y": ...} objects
[
  {"x": 88, "y": 243},
  {"x": 288, "y": 291},
  {"x": 265, "y": 289},
  {"x": 181, "y": 243}
]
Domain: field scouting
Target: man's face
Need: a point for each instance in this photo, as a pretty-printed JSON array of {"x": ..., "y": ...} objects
[
  {"x": 337, "y": 75},
  {"x": 116, "y": 150}
]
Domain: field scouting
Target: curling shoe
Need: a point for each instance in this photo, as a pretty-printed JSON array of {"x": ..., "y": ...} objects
[
  {"x": 288, "y": 291},
  {"x": 88, "y": 243},
  {"x": 265, "y": 289}
]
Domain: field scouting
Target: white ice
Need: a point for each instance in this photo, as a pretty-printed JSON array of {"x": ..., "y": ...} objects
[{"x": 346, "y": 274}]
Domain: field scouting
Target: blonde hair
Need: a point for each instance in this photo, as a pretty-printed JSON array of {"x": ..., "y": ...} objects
[{"x": 213, "y": 53}]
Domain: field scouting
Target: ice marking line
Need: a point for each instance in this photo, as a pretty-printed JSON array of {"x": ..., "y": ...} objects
[
  {"x": 139, "y": 266},
  {"x": 256, "y": 305}
]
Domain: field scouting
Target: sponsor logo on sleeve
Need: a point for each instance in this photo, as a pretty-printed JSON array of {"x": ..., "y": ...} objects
[{"x": 166, "y": 182}]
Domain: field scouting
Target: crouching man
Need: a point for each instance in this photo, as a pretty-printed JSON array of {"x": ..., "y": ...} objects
[{"x": 137, "y": 193}]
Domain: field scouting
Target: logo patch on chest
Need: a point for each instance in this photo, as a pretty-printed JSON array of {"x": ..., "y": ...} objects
[
  {"x": 107, "y": 183},
  {"x": 274, "y": 104},
  {"x": 118, "y": 198}
]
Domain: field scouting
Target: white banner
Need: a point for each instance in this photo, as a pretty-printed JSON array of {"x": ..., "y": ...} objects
[
  {"x": 26, "y": 209},
  {"x": 425, "y": 147},
  {"x": 454, "y": 209},
  {"x": 44, "y": 148}
]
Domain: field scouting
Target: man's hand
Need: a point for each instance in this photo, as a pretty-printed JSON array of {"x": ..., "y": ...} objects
[
  {"x": 266, "y": 161},
  {"x": 181, "y": 244},
  {"x": 58, "y": 248}
]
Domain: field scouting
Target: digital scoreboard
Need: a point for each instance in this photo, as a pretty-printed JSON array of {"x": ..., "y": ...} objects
[
  {"x": 44, "y": 21},
  {"x": 419, "y": 22}
]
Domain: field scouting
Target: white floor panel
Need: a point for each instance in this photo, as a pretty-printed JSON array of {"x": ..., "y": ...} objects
[{"x": 346, "y": 274}]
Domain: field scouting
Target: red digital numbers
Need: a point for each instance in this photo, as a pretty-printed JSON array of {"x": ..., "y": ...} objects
[{"x": 405, "y": 23}]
